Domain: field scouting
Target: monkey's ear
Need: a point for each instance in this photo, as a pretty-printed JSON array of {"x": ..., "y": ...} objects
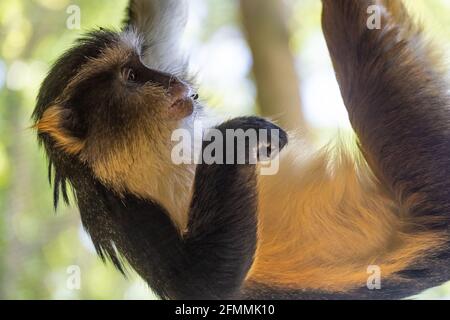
[{"x": 54, "y": 122}]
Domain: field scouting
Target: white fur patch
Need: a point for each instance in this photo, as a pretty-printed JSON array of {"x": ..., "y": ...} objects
[
  {"x": 161, "y": 24},
  {"x": 132, "y": 39}
]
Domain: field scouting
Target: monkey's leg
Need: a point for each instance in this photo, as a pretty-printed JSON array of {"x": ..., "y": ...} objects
[
  {"x": 398, "y": 104},
  {"x": 212, "y": 259}
]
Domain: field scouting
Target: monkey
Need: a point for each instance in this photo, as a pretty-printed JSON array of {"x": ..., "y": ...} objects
[{"x": 105, "y": 114}]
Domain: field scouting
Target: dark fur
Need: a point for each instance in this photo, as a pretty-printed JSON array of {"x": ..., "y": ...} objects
[
  {"x": 399, "y": 107},
  {"x": 398, "y": 104},
  {"x": 90, "y": 46},
  {"x": 211, "y": 260}
]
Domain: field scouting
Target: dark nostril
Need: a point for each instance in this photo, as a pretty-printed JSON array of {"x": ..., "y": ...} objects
[{"x": 195, "y": 96}]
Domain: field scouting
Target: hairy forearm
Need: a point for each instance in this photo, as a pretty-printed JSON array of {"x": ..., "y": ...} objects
[{"x": 212, "y": 258}]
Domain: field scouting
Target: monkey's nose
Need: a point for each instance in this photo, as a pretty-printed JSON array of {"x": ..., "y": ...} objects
[
  {"x": 182, "y": 102},
  {"x": 178, "y": 89}
]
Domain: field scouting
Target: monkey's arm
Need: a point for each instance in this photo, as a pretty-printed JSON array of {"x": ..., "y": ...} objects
[
  {"x": 212, "y": 259},
  {"x": 161, "y": 24},
  {"x": 398, "y": 103}
]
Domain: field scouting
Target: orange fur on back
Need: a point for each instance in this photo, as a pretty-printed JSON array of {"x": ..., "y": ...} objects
[{"x": 323, "y": 220}]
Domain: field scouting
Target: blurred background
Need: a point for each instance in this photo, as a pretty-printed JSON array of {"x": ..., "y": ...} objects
[{"x": 247, "y": 54}]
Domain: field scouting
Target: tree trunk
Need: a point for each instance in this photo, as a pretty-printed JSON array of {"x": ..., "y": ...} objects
[{"x": 277, "y": 82}]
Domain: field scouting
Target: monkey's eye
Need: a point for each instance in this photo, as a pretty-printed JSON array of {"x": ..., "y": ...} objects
[{"x": 128, "y": 74}]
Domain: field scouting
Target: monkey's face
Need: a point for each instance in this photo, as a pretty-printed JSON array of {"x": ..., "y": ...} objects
[{"x": 112, "y": 112}]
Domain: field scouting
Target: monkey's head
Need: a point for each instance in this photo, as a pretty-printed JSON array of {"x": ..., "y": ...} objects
[{"x": 102, "y": 107}]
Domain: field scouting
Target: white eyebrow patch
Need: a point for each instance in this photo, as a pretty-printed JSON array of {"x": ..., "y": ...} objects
[{"x": 132, "y": 39}]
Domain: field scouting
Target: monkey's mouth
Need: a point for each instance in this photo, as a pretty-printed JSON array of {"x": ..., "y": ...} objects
[
  {"x": 181, "y": 108},
  {"x": 182, "y": 101}
]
